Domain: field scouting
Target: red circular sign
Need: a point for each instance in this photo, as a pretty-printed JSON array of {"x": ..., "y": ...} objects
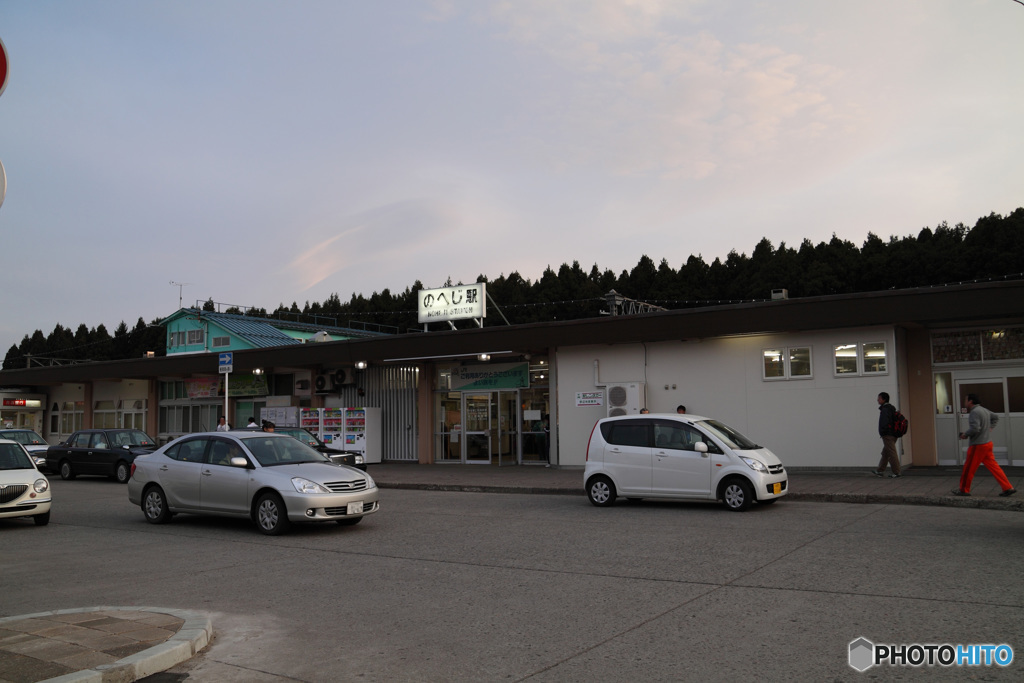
[{"x": 3, "y": 67}]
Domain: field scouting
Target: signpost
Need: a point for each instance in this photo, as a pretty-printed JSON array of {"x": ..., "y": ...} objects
[
  {"x": 4, "y": 70},
  {"x": 225, "y": 363}
]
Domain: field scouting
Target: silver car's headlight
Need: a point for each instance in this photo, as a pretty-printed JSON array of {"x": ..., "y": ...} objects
[
  {"x": 306, "y": 486},
  {"x": 369, "y": 481},
  {"x": 40, "y": 485},
  {"x": 755, "y": 465}
]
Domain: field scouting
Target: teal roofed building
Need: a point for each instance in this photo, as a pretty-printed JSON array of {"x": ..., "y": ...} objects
[{"x": 190, "y": 330}]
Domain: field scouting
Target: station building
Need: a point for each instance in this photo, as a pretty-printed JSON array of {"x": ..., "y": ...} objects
[{"x": 798, "y": 375}]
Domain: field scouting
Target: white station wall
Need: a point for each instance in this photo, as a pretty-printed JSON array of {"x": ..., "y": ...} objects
[{"x": 824, "y": 421}]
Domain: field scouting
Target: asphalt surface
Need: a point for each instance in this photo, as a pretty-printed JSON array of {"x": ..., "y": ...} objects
[{"x": 109, "y": 643}]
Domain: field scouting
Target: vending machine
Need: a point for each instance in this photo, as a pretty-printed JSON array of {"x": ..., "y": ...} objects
[
  {"x": 309, "y": 419},
  {"x": 362, "y": 433},
  {"x": 332, "y": 427}
]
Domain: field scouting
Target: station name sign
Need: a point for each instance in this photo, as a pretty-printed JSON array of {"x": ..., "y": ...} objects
[{"x": 458, "y": 302}]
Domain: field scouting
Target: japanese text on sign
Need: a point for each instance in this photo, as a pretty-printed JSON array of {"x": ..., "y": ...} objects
[{"x": 452, "y": 303}]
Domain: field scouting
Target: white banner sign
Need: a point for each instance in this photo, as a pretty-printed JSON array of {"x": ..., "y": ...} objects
[
  {"x": 589, "y": 398},
  {"x": 452, "y": 303}
]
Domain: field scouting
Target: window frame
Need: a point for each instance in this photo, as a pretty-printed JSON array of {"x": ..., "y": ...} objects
[
  {"x": 860, "y": 362},
  {"x": 786, "y": 352}
]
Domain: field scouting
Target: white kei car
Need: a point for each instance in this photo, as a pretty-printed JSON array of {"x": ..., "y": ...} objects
[
  {"x": 681, "y": 457},
  {"x": 24, "y": 491}
]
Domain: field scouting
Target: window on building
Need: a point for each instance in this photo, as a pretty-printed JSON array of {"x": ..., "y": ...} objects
[
  {"x": 867, "y": 358},
  {"x": 945, "y": 402},
  {"x": 71, "y": 413},
  {"x": 786, "y": 362},
  {"x": 845, "y": 356},
  {"x": 875, "y": 358},
  {"x": 774, "y": 363},
  {"x": 1015, "y": 389},
  {"x": 104, "y": 415},
  {"x": 220, "y": 342},
  {"x": 195, "y": 337}
]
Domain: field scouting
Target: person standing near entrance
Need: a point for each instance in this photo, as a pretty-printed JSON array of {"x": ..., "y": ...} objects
[
  {"x": 886, "y": 418},
  {"x": 979, "y": 448},
  {"x": 222, "y": 425}
]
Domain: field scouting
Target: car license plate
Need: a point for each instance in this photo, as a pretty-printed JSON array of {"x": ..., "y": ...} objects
[
  {"x": 777, "y": 487},
  {"x": 357, "y": 508}
]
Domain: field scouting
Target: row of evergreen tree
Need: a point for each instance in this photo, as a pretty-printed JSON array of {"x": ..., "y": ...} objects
[{"x": 993, "y": 248}]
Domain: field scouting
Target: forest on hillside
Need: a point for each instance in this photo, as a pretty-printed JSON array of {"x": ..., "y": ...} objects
[{"x": 992, "y": 249}]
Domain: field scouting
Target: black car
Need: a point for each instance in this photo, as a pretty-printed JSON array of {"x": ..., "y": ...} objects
[
  {"x": 350, "y": 458},
  {"x": 107, "y": 452}
]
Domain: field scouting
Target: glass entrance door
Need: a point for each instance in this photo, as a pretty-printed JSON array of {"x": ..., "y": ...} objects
[
  {"x": 992, "y": 394},
  {"x": 507, "y": 446},
  {"x": 476, "y": 409}
]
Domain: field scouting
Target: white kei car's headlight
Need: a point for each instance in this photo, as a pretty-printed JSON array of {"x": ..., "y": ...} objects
[
  {"x": 755, "y": 465},
  {"x": 359, "y": 459},
  {"x": 40, "y": 485},
  {"x": 306, "y": 486}
]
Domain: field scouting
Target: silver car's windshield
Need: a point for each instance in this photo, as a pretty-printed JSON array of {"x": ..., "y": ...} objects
[
  {"x": 270, "y": 451},
  {"x": 26, "y": 437},
  {"x": 14, "y": 457},
  {"x": 730, "y": 436}
]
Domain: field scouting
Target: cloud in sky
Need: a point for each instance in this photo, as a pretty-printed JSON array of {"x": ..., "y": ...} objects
[{"x": 275, "y": 152}]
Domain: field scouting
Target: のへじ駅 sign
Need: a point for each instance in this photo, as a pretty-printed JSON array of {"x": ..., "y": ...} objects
[
  {"x": 498, "y": 376},
  {"x": 452, "y": 303}
]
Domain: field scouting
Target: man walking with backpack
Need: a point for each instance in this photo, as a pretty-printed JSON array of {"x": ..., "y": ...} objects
[
  {"x": 886, "y": 430},
  {"x": 979, "y": 450}
]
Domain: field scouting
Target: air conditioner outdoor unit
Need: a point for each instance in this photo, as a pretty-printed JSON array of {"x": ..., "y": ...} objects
[
  {"x": 322, "y": 384},
  {"x": 343, "y": 376},
  {"x": 625, "y": 399}
]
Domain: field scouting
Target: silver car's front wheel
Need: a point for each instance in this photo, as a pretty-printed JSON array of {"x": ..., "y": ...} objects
[{"x": 271, "y": 515}]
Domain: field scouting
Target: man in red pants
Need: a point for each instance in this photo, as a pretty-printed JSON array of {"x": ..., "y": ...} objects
[{"x": 979, "y": 449}]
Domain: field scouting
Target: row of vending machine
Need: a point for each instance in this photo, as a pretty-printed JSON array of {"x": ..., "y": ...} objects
[{"x": 348, "y": 429}]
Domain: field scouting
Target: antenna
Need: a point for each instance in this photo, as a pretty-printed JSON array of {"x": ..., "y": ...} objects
[{"x": 179, "y": 285}]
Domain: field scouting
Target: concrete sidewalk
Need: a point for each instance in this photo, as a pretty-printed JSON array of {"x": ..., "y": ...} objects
[
  {"x": 917, "y": 486},
  {"x": 96, "y": 644}
]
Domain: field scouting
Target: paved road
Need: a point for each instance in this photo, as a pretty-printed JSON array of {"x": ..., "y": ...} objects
[{"x": 460, "y": 586}]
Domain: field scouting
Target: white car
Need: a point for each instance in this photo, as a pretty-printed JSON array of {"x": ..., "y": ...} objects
[
  {"x": 24, "y": 491},
  {"x": 680, "y": 457},
  {"x": 270, "y": 478}
]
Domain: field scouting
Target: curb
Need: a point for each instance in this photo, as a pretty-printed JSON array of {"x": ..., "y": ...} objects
[
  {"x": 192, "y": 637},
  {"x": 860, "y": 498},
  {"x": 889, "y": 499}
]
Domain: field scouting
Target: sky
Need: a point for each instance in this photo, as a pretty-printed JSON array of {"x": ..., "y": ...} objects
[{"x": 259, "y": 153}]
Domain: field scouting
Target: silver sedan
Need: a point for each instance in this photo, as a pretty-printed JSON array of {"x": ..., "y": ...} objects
[{"x": 272, "y": 479}]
